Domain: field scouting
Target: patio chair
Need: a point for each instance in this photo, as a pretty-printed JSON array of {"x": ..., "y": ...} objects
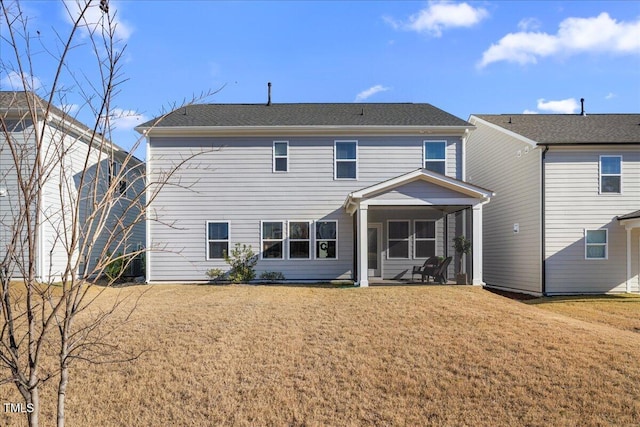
[
  {"x": 426, "y": 269},
  {"x": 440, "y": 274}
]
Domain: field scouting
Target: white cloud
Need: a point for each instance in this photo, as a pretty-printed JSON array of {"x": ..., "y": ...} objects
[
  {"x": 13, "y": 81},
  {"x": 124, "y": 120},
  {"x": 564, "y": 106},
  {"x": 441, "y": 15},
  {"x": 69, "y": 108},
  {"x": 370, "y": 92},
  {"x": 610, "y": 95},
  {"x": 528, "y": 24},
  {"x": 601, "y": 34},
  {"x": 94, "y": 17},
  {"x": 529, "y": 112}
]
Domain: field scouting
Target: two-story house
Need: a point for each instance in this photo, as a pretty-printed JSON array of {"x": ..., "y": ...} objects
[
  {"x": 565, "y": 216},
  {"x": 321, "y": 192},
  {"x": 63, "y": 170}
]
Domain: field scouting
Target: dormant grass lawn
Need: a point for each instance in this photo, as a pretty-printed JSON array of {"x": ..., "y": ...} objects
[{"x": 408, "y": 355}]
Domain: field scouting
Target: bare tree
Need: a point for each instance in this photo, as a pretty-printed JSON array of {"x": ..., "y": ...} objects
[{"x": 72, "y": 204}]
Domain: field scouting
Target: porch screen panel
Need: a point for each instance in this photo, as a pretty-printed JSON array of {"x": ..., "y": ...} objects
[
  {"x": 398, "y": 239},
  {"x": 425, "y": 239}
]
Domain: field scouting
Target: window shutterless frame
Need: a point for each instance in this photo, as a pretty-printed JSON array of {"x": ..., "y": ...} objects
[
  {"x": 610, "y": 174},
  {"x": 280, "y": 156},
  {"x": 299, "y": 240},
  {"x": 272, "y": 240},
  {"x": 596, "y": 244},
  {"x": 345, "y": 159},
  {"x": 434, "y": 156},
  {"x": 326, "y": 240},
  {"x": 115, "y": 170},
  {"x": 218, "y": 238}
]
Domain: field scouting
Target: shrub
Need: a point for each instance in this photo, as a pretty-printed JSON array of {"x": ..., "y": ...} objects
[
  {"x": 272, "y": 276},
  {"x": 242, "y": 260},
  {"x": 115, "y": 268},
  {"x": 216, "y": 274}
]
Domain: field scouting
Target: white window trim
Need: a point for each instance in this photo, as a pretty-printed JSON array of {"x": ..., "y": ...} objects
[
  {"x": 309, "y": 240},
  {"x": 408, "y": 239},
  {"x": 282, "y": 240},
  {"x": 336, "y": 160},
  {"x": 316, "y": 240},
  {"x": 228, "y": 240},
  {"x": 424, "y": 153},
  {"x": 115, "y": 171},
  {"x": 274, "y": 156},
  {"x": 605, "y": 244},
  {"x": 417, "y": 239},
  {"x": 600, "y": 175}
]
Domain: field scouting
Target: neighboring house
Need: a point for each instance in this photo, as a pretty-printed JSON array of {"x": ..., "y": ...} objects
[
  {"x": 68, "y": 148},
  {"x": 321, "y": 192},
  {"x": 565, "y": 217}
]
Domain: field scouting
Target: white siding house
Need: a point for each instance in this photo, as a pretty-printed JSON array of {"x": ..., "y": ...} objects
[
  {"x": 565, "y": 216},
  {"x": 321, "y": 192},
  {"x": 67, "y": 154}
]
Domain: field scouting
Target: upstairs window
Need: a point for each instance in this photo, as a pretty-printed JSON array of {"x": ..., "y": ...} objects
[
  {"x": 115, "y": 172},
  {"x": 280, "y": 156},
  {"x": 596, "y": 242},
  {"x": 217, "y": 239},
  {"x": 345, "y": 160},
  {"x": 435, "y": 156},
  {"x": 272, "y": 240},
  {"x": 610, "y": 174}
]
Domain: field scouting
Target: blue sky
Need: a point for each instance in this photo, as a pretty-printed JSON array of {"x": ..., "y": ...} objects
[{"x": 464, "y": 57}]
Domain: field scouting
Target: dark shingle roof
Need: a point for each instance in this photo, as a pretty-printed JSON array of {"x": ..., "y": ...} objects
[
  {"x": 17, "y": 101},
  {"x": 571, "y": 128},
  {"x": 632, "y": 215},
  {"x": 335, "y": 114}
]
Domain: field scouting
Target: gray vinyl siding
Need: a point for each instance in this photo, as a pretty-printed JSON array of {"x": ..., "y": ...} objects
[
  {"x": 511, "y": 168},
  {"x": 573, "y": 205},
  {"x": 10, "y": 203},
  {"x": 59, "y": 195},
  {"x": 61, "y": 203},
  {"x": 231, "y": 179}
]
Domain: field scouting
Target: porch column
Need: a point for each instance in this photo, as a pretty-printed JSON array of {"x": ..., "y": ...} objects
[
  {"x": 363, "y": 267},
  {"x": 476, "y": 249}
]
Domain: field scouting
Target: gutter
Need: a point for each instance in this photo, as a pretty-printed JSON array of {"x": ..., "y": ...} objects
[
  {"x": 314, "y": 130},
  {"x": 543, "y": 221}
]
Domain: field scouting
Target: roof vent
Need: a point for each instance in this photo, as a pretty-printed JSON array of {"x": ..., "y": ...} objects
[
  {"x": 268, "y": 93},
  {"x": 582, "y": 113}
]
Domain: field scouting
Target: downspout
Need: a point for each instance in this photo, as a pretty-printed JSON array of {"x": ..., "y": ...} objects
[
  {"x": 147, "y": 218},
  {"x": 543, "y": 223}
]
